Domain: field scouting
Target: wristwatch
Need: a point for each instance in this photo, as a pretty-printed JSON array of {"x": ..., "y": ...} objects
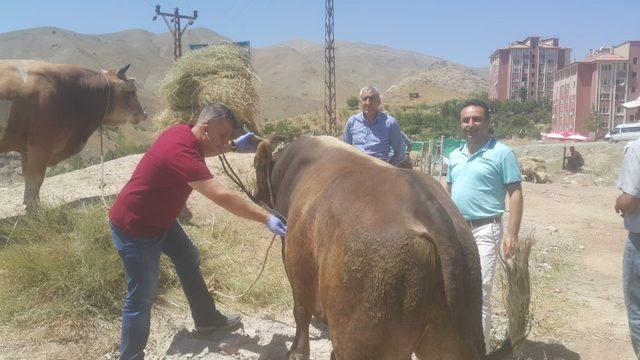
[{"x": 233, "y": 146}]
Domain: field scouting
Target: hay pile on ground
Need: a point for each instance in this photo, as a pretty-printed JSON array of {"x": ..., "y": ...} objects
[
  {"x": 534, "y": 169},
  {"x": 217, "y": 73}
]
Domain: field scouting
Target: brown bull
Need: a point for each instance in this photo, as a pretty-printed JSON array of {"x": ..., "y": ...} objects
[
  {"x": 55, "y": 108},
  {"x": 380, "y": 254}
]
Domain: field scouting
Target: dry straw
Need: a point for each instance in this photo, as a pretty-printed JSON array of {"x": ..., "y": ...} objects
[
  {"x": 217, "y": 73},
  {"x": 517, "y": 290}
]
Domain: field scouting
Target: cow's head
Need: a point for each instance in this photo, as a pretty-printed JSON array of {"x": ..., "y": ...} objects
[
  {"x": 124, "y": 105},
  {"x": 263, "y": 163}
]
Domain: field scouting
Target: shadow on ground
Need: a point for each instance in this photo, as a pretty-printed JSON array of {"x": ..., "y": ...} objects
[
  {"x": 263, "y": 342},
  {"x": 535, "y": 350},
  {"x": 188, "y": 344}
]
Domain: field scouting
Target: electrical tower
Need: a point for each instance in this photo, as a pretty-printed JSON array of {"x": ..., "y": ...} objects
[
  {"x": 329, "y": 71},
  {"x": 176, "y": 29}
]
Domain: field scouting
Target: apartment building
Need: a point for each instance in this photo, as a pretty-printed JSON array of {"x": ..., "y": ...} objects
[
  {"x": 524, "y": 70},
  {"x": 601, "y": 83}
]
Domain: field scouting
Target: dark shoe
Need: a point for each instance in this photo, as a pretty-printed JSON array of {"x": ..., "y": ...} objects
[{"x": 228, "y": 322}]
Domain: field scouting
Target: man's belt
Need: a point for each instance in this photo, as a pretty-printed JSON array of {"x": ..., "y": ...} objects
[{"x": 485, "y": 221}]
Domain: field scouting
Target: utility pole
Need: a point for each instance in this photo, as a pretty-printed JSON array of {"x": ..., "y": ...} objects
[
  {"x": 176, "y": 27},
  {"x": 329, "y": 71}
]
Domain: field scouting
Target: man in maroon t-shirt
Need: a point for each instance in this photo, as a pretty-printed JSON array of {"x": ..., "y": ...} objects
[{"x": 144, "y": 221}]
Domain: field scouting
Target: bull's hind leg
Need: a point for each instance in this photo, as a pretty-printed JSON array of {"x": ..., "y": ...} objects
[
  {"x": 300, "y": 347},
  {"x": 34, "y": 166}
]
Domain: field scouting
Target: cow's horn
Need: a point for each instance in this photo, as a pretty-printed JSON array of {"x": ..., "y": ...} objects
[{"x": 121, "y": 72}]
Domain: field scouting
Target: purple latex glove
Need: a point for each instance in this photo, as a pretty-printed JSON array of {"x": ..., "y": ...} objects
[
  {"x": 276, "y": 226},
  {"x": 245, "y": 143}
]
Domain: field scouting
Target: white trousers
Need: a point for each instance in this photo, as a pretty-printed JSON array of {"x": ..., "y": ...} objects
[{"x": 488, "y": 238}]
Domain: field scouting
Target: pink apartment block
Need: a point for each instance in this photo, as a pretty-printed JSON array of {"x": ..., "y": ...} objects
[
  {"x": 601, "y": 83},
  {"x": 524, "y": 70}
]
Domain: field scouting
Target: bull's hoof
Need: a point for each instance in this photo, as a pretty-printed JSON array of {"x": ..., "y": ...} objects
[{"x": 297, "y": 356}]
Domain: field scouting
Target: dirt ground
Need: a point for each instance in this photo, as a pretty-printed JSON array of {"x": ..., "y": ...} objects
[{"x": 577, "y": 300}]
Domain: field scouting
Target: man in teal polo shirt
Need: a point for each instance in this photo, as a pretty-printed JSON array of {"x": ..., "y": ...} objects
[{"x": 481, "y": 173}]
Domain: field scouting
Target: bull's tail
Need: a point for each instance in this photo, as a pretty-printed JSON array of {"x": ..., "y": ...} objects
[
  {"x": 516, "y": 296},
  {"x": 459, "y": 322}
]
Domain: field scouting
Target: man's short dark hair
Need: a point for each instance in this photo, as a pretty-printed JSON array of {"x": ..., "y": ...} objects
[
  {"x": 476, "y": 102},
  {"x": 218, "y": 111}
]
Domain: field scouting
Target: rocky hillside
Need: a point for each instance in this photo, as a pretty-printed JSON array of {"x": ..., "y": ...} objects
[
  {"x": 292, "y": 73},
  {"x": 438, "y": 82}
]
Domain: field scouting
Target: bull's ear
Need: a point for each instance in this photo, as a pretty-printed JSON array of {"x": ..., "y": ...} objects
[
  {"x": 263, "y": 157},
  {"x": 123, "y": 71}
]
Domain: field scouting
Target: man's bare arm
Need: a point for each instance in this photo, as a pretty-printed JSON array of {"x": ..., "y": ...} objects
[
  {"x": 516, "y": 204},
  {"x": 229, "y": 200}
]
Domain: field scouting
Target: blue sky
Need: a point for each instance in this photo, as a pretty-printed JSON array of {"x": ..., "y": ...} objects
[{"x": 464, "y": 31}]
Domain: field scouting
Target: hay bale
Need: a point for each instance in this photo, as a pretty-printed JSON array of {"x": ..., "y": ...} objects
[
  {"x": 217, "y": 73},
  {"x": 534, "y": 169}
]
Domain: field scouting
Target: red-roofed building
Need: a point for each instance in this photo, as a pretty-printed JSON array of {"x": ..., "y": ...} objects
[
  {"x": 524, "y": 70},
  {"x": 606, "y": 79}
]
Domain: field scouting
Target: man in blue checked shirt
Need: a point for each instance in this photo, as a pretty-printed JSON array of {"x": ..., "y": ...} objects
[
  {"x": 481, "y": 173},
  {"x": 373, "y": 131}
]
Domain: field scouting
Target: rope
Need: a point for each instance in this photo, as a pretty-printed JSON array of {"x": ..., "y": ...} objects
[
  {"x": 264, "y": 264},
  {"x": 236, "y": 179},
  {"x": 106, "y": 109}
]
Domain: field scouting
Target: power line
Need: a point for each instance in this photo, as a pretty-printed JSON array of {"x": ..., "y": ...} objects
[
  {"x": 175, "y": 27},
  {"x": 329, "y": 71}
]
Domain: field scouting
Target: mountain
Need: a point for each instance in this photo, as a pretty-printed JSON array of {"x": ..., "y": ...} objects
[
  {"x": 295, "y": 71},
  {"x": 438, "y": 82},
  {"x": 291, "y": 73}
]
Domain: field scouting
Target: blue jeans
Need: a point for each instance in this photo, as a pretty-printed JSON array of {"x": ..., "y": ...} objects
[
  {"x": 141, "y": 258},
  {"x": 631, "y": 286}
]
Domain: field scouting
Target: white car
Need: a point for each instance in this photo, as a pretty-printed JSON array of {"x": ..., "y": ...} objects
[{"x": 624, "y": 132}]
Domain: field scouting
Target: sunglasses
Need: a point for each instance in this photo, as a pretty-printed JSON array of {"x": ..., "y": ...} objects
[{"x": 372, "y": 97}]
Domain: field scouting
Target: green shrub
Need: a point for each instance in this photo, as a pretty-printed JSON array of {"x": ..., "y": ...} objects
[
  {"x": 283, "y": 129},
  {"x": 508, "y": 118},
  {"x": 352, "y": 102}
]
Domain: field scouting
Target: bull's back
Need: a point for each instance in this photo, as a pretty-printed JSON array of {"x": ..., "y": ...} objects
[
  {"x": 16, "y": 78},
  {"x": 24, "y": 83},
  {"x": 23, "y": 78}
]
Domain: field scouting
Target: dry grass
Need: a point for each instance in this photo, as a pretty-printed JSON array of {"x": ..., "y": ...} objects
[
  {"x": 232, "y": 262},
  {"x": 60, "y": 275}
]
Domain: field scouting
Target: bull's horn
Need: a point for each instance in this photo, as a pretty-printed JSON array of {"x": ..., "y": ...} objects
[{"x": 121, "y": 72}]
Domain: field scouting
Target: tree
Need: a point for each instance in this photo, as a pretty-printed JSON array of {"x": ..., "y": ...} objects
[
  {"x": 592, "y": 122},
  {"x": 523, "y": 93},
  {"x": 352, "y": 102}
]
